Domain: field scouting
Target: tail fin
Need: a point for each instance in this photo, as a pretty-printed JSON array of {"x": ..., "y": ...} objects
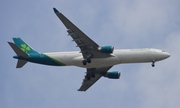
[
  {"x": 19, "y": 52},
  {"x": 23, "y": 46},
  {"x": 22, "y": 49}
]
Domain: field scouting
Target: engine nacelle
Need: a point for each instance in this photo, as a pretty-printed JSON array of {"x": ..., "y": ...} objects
[
  {"x": 113, "y": 75},
  {"x": 106, "y": 49}
]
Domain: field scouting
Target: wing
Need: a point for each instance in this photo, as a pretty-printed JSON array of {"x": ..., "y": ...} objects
[
  {"x": 87, "y": 83},
  {"x": 86, "y": 45}
]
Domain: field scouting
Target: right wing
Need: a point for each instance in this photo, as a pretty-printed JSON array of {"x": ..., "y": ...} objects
[
  {"x": 99, "y": 72},
  {"x": 88, "y": 83}
]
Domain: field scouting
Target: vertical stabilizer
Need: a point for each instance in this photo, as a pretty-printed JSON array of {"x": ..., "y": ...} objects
[{"x": 23, "y": 46}]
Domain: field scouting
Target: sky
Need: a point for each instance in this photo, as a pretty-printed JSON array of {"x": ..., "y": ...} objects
[{"x": 120, "y": 23}]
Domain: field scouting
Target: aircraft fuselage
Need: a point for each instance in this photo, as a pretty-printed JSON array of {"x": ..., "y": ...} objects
[{"x": 117, "y": 57}]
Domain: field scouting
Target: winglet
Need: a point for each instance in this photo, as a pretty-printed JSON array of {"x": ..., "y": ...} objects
[{"x": 55, "y": 10}]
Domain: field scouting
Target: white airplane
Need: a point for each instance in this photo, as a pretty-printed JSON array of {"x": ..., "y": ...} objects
[{"x": 95, "y": 58}]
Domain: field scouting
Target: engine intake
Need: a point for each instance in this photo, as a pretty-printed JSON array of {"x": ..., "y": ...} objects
[
  {"x": 106, "y": 49},
  {"x": 113, "y": 75}
]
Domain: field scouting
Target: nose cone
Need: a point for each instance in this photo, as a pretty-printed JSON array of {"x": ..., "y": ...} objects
[
  {"x": 160, "y": 55},
  {"x": 166, "y": 55}
]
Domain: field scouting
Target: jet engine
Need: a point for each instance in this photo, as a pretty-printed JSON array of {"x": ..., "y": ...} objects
[
  {"x": 106, "y": 49},
  {"x": 113, "y": 75}
]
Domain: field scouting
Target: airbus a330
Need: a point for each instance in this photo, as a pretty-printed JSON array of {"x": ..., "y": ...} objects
[{"x": 95, "y": 58}]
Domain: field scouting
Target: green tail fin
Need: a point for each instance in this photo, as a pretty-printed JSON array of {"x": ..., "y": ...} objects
[
  {"x": 22, "y": 49},
  {"x": 23, "y": 46}
]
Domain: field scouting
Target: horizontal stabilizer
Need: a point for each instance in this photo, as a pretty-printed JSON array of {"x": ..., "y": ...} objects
[
  {"x": 20, "y": 63},
  {"x": 17, "y": 50},
  {"x": 20, "y": 53}
]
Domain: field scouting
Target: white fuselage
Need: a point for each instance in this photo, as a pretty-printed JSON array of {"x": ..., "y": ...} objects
[{"x": 117, "y": 57}]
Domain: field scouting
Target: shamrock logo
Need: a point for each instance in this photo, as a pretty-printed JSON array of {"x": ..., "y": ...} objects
[{"x": 25, "y": 48}]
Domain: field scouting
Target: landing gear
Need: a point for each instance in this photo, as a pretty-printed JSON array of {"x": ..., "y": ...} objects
[
  {"x": 153, "y": 63},
  {"x": 88, "y": 60},
  {"x": 84, "y": 62}
]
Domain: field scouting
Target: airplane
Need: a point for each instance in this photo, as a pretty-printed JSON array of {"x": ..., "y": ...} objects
[{"x": 95, "y": 58}]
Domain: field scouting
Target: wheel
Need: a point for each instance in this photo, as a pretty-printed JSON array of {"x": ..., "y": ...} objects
[
  {"x": 153, "y": 65},
  {"x": 89, "y": 60},
  {"x": 84, "y": 62}
]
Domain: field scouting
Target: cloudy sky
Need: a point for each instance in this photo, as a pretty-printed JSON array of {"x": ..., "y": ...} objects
[{"x": 120, "y": 23}]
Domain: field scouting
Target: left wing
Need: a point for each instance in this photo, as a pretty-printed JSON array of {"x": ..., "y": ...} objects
[
  {"x": 98, "y": 72},
  {"x": 87, "y": 46}
]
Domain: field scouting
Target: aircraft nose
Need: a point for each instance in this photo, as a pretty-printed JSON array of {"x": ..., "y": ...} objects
[{"x": 166, "y": 55}]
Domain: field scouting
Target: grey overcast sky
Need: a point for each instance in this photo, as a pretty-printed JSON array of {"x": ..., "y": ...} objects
[{"x": 120, "y": 23}]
